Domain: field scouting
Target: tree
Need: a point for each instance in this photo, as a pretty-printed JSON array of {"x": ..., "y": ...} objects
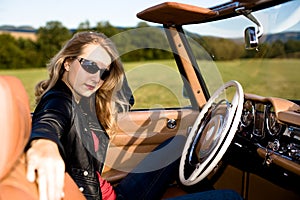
[
  {"x": 142, "y": 25},
  {"x": 84, "y": 26},
  {"x": 107, "y": 29},
  {"x": 9, "y": 52},
  {"x": 221, "y": 49},
  {"x": 51, "y": 38},
  {"x": 276, "y": 50},
  {"x": 292, "y": 47},
  {"x": 31, "y": 58}
]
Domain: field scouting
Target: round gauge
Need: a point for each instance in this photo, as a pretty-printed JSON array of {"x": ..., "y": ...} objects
[
  {"x": 273, "y": 126},
  {"x": 248, "y": 113}
]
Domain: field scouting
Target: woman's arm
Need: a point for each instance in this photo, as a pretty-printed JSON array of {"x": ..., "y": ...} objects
[{"x": 51, "y": 119}]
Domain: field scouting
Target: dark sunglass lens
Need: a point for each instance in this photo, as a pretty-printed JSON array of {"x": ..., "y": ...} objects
[
  {"x": 104, "y": 74},
  {"x": 89, "y": 66}
]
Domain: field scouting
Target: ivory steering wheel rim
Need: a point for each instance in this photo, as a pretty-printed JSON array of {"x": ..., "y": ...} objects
[{"x": 219, "y": 148}]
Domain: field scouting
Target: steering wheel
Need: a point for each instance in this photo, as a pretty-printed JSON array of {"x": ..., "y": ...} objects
[{"x": 211, "y": 133}]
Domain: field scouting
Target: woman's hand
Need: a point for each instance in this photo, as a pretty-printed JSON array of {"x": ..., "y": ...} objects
[{"x": 46, "y": 166}]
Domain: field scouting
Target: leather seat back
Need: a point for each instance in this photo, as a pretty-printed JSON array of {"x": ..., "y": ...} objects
[
  {"x": 15, "y": 122},
  {"x": 15, "y": 125}
]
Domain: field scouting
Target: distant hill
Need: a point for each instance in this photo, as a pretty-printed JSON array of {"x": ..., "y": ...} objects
[
  {"x": 284, "y": 37},
  {"x": 17, "y": 28},
  {"x": 270, "y": 38},
  {"x": 29, "y": 33},
  {"x": 26, "y": 32}
]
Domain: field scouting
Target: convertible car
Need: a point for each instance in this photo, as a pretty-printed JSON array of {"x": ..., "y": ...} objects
[{"x": 231, "y": 94}]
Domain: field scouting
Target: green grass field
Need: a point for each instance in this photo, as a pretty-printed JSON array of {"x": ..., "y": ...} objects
[
  {"x": 273, "y": 77},
  {"x": 29, "y": 78},
  {"x": 279, "y": 78}
]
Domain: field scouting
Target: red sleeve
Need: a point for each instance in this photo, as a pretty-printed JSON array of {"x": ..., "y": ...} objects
[{"x": 107, "y": 190}]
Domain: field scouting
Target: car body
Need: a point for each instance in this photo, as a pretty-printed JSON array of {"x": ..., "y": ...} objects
[{"x": 262, "y": 159}]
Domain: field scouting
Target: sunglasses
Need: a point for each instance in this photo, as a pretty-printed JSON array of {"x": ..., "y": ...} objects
[{"x": 92, "y": 68}]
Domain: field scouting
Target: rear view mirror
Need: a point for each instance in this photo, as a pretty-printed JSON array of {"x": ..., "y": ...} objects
[
  {"x": 251, "y": 40},
  {"x": 251, "y": 36}
]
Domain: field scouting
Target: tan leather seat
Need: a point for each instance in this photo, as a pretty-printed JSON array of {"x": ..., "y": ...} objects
[{"x": 15, "y": 124}]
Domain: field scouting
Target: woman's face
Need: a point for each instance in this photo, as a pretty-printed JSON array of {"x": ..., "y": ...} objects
[{"x": 85, "y": 82}]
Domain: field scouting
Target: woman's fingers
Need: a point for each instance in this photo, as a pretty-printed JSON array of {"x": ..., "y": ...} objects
[
  {"x": 60, "y": 180},
  {"x": 56, "y": 183},
  {"x": 30, "y": 172},
  {"x": 42, "y": 182},
  {"x": 45, "y": 165}
]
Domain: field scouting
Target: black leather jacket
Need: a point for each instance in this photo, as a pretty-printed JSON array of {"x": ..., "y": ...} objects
[{"x": 57, "y": 117}]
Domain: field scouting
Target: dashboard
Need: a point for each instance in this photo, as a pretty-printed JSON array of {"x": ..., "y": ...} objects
[{"x": 272, "y": 127}]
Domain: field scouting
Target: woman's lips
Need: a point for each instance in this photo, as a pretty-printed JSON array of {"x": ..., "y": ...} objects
[{"x": 90, "y": 87}]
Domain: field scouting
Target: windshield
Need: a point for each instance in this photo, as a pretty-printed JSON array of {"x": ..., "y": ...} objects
[{"x": 271, "y": 69}]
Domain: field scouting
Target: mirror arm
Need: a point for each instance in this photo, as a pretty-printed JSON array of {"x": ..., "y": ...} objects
[{"x": 247, "y": 13}]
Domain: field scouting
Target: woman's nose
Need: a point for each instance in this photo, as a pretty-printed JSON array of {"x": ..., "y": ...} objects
[{"x": 96, "y": 77}]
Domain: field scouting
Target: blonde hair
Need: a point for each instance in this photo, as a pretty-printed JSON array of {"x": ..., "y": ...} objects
[{"x": 106, "y": 98}]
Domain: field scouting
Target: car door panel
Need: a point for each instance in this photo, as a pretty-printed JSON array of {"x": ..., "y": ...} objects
[{"x": 139, "y": 133}]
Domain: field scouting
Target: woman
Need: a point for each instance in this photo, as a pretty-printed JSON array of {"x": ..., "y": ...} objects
[
  {"x": 74, "y": 119},
  {"x": 78, "y": 87}
]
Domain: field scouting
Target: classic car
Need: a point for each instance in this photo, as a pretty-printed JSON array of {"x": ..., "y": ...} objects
[
  {"x": 236, "y": 105},
  {"x": 238, "y": 139}
]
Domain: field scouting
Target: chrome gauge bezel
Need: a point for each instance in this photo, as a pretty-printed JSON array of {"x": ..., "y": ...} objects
[
  {"x": 247, "y": 114},
  {"x": 259, "y": 120},
  {"x": 273, "y": 127}
]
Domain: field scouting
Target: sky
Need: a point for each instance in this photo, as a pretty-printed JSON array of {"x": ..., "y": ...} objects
[{"x": 71, "y": 13}]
